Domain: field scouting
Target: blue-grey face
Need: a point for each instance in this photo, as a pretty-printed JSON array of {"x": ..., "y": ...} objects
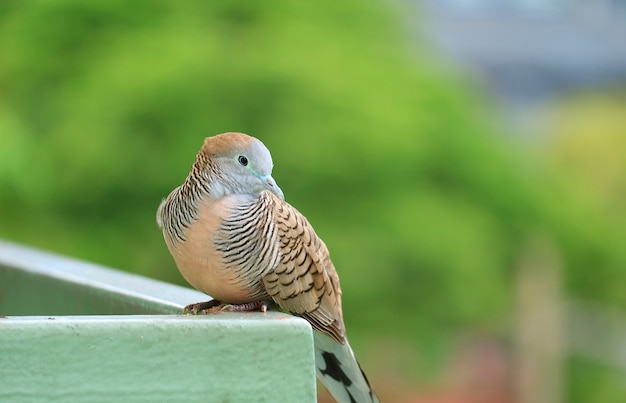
[{"x": 253, "y": 169}]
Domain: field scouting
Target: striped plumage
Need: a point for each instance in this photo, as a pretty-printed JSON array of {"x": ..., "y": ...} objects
[{"x": 234, "y": 237}]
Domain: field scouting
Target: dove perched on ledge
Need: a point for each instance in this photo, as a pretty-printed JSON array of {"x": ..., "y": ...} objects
[{"x": 233, "y": 237}]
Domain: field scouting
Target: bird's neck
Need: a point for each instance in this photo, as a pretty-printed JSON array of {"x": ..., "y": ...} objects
[
  {"x": 180, "y": 209},
  {"x": 204, "y": 181}
]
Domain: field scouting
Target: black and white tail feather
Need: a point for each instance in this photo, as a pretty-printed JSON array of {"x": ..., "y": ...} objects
[{"x": 340, "y": 372}]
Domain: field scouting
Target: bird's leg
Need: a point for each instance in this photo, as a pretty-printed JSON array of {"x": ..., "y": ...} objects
[
  {"x": 250, "y": 306},
  {"x": 214, "y": 306},
  {"x": 201, "y": 306},
  {"x": 247, "y": 307}
]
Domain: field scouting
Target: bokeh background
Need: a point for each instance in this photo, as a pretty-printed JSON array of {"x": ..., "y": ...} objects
[{"x": 465, "y": 162}]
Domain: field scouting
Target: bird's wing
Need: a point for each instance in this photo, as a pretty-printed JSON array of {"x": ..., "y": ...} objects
[{"x": 304, "y": 281}]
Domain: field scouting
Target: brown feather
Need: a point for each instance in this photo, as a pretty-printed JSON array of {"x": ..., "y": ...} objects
[{"x": 305, "y": 282}]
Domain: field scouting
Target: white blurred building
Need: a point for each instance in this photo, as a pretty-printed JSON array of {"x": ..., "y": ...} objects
[{"x": 528, "y": 50}]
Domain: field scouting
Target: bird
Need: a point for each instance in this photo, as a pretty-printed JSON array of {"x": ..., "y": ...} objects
[{"x": 234, "y": 237}]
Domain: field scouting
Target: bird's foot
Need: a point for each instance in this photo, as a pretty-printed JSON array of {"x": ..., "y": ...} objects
[
  {"x": 201, "y": 306},
  {"x": 215, "y": 306}
]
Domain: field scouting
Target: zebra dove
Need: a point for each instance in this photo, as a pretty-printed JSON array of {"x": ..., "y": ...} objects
[{"x": 233, "y": 237}]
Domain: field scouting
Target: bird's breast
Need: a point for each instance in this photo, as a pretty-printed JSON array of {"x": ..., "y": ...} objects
[{"x": 201, "y": 264}]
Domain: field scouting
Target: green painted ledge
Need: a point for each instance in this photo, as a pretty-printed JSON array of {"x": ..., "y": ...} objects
[{"x": 74, "y": 331}]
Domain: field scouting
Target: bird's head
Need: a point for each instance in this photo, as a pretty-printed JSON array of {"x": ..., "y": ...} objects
[{"x": 235, "y": 163}]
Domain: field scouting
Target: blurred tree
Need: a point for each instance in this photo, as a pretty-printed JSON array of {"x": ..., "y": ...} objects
[{"x": 587, "y": 146}]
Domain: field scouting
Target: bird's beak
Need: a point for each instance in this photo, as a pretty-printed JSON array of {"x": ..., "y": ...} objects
[{"x": 271, "y": 185}]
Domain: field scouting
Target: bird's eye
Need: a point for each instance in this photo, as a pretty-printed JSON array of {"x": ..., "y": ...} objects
[{"x": 242, "y": 160}]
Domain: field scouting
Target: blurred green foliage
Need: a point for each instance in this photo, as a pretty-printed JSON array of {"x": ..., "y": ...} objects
[
  {"x": 584, "y": 143},
  {"x": 422, "y": 202}
]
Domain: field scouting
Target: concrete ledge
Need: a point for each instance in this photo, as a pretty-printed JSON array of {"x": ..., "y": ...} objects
[
  {"x": 33, "y": 282},
  {"x": 217, "y": 358},
  {"x": 119, "y": 356}
]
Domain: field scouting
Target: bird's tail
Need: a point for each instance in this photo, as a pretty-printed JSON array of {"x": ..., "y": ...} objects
[{"x": 340, "y": 372}]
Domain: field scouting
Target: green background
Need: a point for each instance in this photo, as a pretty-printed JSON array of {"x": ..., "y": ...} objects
[{"x": 400, "y": 164}]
